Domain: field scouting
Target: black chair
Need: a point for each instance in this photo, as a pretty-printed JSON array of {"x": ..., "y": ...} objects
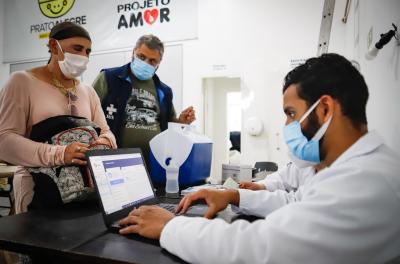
[
  {"x": 265, "y": 166},
  {"x": 234, "y": 137}
]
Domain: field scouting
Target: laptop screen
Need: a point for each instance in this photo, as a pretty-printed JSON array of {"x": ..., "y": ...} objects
[{"x": 122, "y": 180}]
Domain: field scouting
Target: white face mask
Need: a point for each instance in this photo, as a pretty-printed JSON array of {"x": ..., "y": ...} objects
[{"x": 73, "y": 65}]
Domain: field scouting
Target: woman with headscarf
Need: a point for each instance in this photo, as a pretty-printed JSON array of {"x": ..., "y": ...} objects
[{"x": 30, "y": 98}]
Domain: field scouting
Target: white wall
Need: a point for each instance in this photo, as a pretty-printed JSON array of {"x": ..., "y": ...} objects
[
  {"x": 4, "y": 68},
  {"x": 216, "y": 121},
  {"x": 381, "y": 74},
  {"x": 253, "y": 40}
]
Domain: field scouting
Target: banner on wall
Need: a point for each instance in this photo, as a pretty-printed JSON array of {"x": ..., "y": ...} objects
[{"x": 115, "y": 24}]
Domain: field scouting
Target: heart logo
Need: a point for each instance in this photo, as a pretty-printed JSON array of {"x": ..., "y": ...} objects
[{"x": 150, "y": 16}]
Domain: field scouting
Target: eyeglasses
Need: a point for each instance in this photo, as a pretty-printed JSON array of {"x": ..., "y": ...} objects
[{"x": 72, "y": 98}]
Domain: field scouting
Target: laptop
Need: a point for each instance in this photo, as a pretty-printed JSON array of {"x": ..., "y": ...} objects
[{"x": 122, "y": 183}]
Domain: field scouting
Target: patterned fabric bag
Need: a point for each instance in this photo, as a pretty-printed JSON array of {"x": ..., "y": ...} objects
[{"x": 58, "y": 185}]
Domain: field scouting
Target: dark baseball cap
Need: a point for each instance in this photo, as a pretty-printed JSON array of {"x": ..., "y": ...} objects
[{"x": 68, "y": 29}]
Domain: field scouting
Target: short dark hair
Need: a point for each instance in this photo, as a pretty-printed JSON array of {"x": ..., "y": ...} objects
[
  {"x": 68, "y": 29},
  {"x": 65, "y": 30},
  {"x": 152, "y": 42},
  {"x": 332, "y": 74}
]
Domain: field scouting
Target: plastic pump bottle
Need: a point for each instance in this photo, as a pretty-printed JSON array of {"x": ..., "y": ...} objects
[{"x": 172, "y": 184}]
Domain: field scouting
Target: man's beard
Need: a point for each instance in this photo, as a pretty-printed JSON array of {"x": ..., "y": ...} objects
[
  {"x": 312, "y": 126},
  {"x": 311, "y": 129}
]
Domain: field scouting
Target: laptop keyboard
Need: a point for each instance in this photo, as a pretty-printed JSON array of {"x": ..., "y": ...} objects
[{"x": 168, "y": 207}]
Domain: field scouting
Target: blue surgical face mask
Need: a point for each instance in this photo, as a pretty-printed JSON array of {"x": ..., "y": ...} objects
[
  {"x": 299, "y": 145},
  {"x": 142, "y": 70}
]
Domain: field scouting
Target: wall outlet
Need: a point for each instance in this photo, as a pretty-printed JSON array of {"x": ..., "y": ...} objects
[{"x": 370, "y": 37}]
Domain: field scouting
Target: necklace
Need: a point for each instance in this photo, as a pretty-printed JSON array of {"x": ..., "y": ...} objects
[{"x": 67, "y": 91}]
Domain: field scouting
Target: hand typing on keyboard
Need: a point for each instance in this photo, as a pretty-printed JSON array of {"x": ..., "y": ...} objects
[
  {"x": 216, "y": 200},
  {"x": 147, "y": 221}
]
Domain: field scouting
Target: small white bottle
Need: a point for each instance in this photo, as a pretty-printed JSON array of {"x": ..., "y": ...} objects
[{"x": 172, "y": 184}]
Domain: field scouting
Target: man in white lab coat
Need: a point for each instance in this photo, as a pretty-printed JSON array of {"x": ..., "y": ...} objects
[{"x": 348, "y": 212}]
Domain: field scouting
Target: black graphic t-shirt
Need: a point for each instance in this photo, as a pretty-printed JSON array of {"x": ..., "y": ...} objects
[{"x": 142, "y": 115}]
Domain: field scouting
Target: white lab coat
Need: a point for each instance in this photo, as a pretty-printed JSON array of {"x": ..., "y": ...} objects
[
  {"x": 347, "y": 213},
  {"x": 289, "y": 178}
]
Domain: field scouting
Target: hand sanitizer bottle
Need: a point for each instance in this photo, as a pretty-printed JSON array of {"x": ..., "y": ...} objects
[{"x": 172, "y": 184}]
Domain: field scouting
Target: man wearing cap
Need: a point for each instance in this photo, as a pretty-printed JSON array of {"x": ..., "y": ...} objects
[
  {"x": 32, "y": 96},
  {"x": 136, "y": 103}
]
